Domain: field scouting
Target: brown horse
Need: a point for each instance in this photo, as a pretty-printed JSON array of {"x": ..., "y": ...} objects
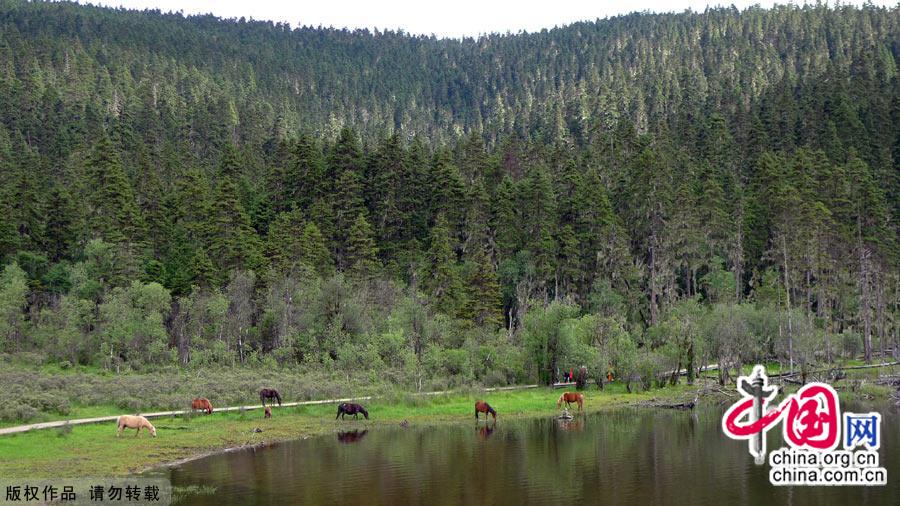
[
  {"x": 569, "y": 398},
  {"x": 134, "y": 422},
  {"x": 483, "y": 407},
  {"x": 269, "y": 393},
  {"x": 268, "y": 412},
  {"x": 203, "y": 404}
]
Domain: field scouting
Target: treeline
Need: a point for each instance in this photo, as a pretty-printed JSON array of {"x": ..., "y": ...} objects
[{"x": 162, "y": 204}]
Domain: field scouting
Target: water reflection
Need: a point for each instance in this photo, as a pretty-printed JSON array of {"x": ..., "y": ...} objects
[
  {"x": 351, "y": 436},
  {"x": 575, "y": 424},
  {"x": 632, "y": 456},
  {"x": 485, "y": 430}
]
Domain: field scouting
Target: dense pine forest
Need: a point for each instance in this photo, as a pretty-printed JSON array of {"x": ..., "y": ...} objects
[{"x": 635, "y": 194}]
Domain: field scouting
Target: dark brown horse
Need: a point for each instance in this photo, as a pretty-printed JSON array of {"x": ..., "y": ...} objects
[
  {"x": 483, "y": 407},
  {"x": 349, "y": 408},
  {"x": 269, "y": 393},
  {"x": 569, "y": 398},
  {"x": 203, "y": 404}
]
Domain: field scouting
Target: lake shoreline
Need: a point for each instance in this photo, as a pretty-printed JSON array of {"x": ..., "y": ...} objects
[{"x": 93, "y": 450}]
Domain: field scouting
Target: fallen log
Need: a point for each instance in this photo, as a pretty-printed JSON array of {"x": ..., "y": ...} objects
[{"x": 848, "y": 368}]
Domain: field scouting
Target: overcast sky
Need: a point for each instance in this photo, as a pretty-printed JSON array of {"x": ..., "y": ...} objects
[{"x": 447, "y": 18}]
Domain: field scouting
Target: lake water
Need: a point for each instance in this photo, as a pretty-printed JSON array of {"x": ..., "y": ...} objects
[{"x": 628, "y": 456}]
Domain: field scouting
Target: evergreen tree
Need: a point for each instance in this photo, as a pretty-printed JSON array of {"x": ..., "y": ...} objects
[
  {"x": 483, "y": 303},
  {"x": 440, "y": 278},
  {"x": 313, "y": 251},
  {"x": 362, "y": 254},
  {"x": 112, "y": 213}
]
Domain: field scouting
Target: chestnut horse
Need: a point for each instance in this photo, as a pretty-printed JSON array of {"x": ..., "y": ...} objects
[
  {"x": 569, "y": 398},
  {"x": 134, "y": 422},
  {"x": 203, "y": 404},
  {"x": 268, "y": 412},
  {"x": 269, "y": 393},
  {"x": 483, "y": 407},
  {"x": 349, "y": 408}
]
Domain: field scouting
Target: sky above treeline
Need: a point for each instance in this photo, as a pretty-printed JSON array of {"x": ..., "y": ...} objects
[{"x": 453, "y": 19}]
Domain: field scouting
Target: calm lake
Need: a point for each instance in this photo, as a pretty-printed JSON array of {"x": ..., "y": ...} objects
[{"x": 628, "y": 456}]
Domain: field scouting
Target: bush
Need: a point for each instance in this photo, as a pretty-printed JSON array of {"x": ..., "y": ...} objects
[{"x": 11, "y": 411}]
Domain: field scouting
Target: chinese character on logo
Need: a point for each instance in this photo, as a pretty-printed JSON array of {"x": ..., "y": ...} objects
[
  {"x": 861, "y": 429},
  {"x": 811, "y": 416}
]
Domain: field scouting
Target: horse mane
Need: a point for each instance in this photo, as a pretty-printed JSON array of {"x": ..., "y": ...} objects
[
  {"x": 490, "y": 409},
  {"x": 277, "y": 395}
]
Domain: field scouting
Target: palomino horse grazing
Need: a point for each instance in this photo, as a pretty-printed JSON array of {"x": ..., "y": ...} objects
[
  {"x": 134, "y": 422},
  {"x": 483, "y": 407},
  {"x": 269, "y": 393},
  {"x": 349, "y": 408},
  {"x": 569, "y": 398},
  {"x": 203, "y": 404},
  {"x": 268, "y": 412}
]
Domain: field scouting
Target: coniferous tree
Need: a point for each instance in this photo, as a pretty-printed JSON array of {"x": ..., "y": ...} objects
[
  {"x": 440, "y": 278},
  {"x": 313, "y": 251},
  {"x": 483, "y": 303},
  {"x": 362, "y": 253},
  {"x": 112, "y": 213}
]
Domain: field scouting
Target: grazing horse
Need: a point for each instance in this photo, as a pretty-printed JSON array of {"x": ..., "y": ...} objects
[
  {"x": 134, "y": 422},
  {"x": 349, "y": 408},
  {"x": 569, "y": 398},
  {"x": 203, "y": 404},
  {"x": 483, "y": 407},
  {"x": 269, "y": 393}
]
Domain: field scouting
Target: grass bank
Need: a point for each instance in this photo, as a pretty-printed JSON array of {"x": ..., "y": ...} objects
[{"x": 94, "y": 450}]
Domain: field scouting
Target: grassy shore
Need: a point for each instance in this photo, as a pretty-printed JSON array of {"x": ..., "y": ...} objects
[{"x": 94, "y": 450}]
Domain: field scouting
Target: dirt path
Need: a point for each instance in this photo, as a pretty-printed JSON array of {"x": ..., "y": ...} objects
[{"x": 81, "y": 421}]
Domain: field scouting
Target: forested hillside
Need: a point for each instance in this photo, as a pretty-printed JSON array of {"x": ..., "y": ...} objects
[{"x": 634, "y": 194}]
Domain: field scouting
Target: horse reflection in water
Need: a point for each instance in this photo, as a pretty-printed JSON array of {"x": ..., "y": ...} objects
[
  {"x": 486, "y": 430},
  {"x": 572, "y": 425},
  {"x": 352, "y": 436}
]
